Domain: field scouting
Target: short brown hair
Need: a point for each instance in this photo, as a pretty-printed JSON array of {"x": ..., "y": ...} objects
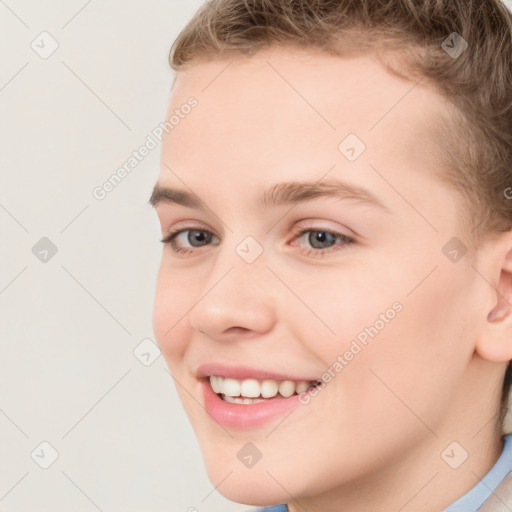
[{"x": 476, "y": 137}]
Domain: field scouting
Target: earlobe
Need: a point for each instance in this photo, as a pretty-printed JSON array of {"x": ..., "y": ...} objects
[{"x": 496, "y": 344}]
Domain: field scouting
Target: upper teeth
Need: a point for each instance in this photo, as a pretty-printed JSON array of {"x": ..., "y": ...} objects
[{"x": 252, "y": 388}]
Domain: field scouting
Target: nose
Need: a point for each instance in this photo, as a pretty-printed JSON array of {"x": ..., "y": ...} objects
[{"x": 235, "y": 300}]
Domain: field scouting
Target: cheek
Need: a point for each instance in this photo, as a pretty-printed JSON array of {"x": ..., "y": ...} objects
[
  {"x": 404, "y": 339},
  {"x": 417, "y": 361},
  {"x": 340, "y": 306},
  {"x": 173, "y": 298}
]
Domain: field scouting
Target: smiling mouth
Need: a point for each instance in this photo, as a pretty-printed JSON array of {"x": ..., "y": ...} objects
[{"x": 251, "y": 391}]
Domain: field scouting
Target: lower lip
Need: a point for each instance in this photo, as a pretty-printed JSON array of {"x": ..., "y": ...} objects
[{"x": 244, "y": 416}]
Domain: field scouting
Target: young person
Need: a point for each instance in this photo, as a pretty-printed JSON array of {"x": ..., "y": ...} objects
[{"x": 334, "y": 296}]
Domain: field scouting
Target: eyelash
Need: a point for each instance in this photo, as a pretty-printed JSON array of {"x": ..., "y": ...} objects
[{"x": 299, "y": 233}]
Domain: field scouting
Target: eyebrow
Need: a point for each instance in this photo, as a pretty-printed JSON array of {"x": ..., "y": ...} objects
[{"x": 287, "y": 193}]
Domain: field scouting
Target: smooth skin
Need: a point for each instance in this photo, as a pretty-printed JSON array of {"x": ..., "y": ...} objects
[{"x": 372, "y": 439}]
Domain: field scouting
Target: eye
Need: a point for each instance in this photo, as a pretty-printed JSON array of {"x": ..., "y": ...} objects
[
  {"x": 196, "y": 237},
  {"x": 321, "y": 241}
]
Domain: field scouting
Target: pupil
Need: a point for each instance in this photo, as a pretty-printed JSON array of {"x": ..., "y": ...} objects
[
  {"x": 320, "y": 237},
  {"x": 196, "y": 236}
]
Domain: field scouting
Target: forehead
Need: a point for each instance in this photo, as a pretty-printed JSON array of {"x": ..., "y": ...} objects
[{"x": 285, "y": 112}]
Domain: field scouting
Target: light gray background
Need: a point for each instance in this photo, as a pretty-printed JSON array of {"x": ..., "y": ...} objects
[{"x": 69, "y": 326}]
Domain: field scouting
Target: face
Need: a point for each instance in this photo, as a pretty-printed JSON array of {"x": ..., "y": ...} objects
[{"x": 321, "y": 248}]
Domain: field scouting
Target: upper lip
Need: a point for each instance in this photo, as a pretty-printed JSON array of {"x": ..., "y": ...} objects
[{"x": 241, "y": 372}]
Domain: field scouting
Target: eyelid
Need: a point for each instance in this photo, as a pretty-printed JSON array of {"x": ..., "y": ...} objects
[
  {"x": 323, "y": 225},
  {"x": 187, "y": 224}
]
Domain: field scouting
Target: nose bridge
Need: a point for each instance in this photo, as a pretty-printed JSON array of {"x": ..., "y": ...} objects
[
  {"x": 236, "y": 292},
  {"x": 242, "y": 265}
]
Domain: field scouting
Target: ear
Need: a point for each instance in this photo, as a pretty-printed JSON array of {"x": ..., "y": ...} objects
[{"x": 495, "y": 342}]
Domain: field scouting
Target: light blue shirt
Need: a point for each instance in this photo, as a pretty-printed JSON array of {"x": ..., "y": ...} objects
[
  {"x": 483, "y": 490},
  {"x": 479, "y": 495}
]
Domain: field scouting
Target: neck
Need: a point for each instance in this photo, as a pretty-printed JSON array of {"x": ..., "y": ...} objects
[{"x": 409, "y": 486}]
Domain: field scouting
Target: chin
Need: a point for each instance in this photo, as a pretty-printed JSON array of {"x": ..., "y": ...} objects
[
  {"x": 250, "y": 492},
  {"x": 248, "y": 486}
]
